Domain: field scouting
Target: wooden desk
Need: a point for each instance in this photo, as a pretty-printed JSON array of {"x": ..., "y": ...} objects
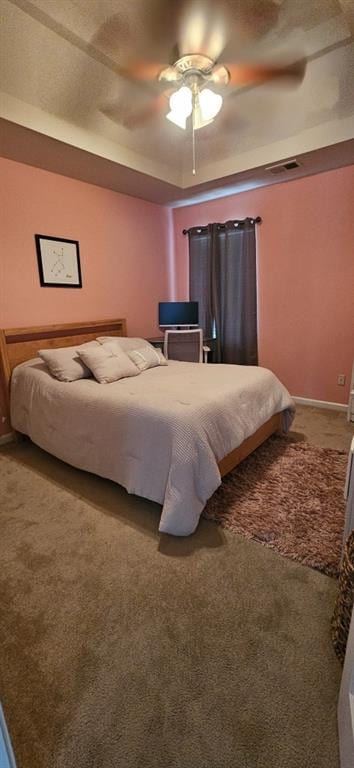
[{"x": 156, "y": 341}]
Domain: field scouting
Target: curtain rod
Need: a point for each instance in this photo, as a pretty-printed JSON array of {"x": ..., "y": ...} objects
[{"x": 235, "y": 222}]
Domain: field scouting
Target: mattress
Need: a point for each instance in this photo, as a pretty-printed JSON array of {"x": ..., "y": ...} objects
[{"x": 160, "y": 435}]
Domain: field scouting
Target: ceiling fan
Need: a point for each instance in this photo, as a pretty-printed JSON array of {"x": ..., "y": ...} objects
[
  {"x": 191, "y": 85},
  {"x": 193, "y": 73}
]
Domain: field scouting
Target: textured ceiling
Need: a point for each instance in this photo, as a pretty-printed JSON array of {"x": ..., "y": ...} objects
[{"x": 59, "y": 65}]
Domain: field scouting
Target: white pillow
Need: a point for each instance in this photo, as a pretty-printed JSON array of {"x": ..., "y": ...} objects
[
  {"x": 124, "y": 342},
  {"x": 64, "y": 363},
  {"x": 147, "y": 357},
  {"x": 108, "y": 366}
]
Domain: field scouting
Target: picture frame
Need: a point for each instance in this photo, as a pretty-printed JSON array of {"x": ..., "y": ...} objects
[{"x": 58, "y": 262}]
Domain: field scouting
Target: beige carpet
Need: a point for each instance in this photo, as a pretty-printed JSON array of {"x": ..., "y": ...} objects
[{"x": 124, "y": 649}]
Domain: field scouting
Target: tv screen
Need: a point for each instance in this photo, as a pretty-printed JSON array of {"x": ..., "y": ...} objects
[{"x": 178, "y": 313}]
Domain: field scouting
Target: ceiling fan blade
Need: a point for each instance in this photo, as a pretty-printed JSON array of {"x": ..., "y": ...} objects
[
  {"x": 112, "y": 34},
  {"x": 203, "y": 28},
  {"x": 119, "y": 114},
  {"x": 348, "y": 11},
  {"x": 116, "y": 40},
  {"x": 255, "y": 74},
  {"x": 141, "y": 71},
  {"x": 255, "y": 18},
  {"x": 208, "y": 27}
]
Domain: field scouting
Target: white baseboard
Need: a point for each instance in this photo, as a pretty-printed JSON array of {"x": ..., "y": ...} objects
[
  {"x": 9, "y": 438},
  {"x": 321, "y": 404}
]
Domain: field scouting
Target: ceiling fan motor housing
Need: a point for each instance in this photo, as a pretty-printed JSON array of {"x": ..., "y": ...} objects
[
  {"x": 195, "y": 61},
  {"x": 195, "y": 65}
]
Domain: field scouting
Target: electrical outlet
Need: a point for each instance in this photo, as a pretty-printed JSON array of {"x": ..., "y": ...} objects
[{"x": 341, "y": 380}]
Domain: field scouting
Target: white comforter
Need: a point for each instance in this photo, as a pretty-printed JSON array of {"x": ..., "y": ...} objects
[{"x": 160, "y": 434}]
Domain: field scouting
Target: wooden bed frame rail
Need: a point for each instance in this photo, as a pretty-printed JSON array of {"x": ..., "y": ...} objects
[
  {"x": 229, "y": 462},
  {"x": 20, "y": 344}
]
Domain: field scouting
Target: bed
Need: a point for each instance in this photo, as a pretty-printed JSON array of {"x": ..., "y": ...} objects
[{"x": 169, "y": 434}]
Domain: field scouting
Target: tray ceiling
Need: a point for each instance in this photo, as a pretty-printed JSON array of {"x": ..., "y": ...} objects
[{"x": 56, "y": 76}]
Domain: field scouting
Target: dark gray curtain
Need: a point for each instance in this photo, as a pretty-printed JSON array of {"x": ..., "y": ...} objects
[
  {"x": 223, "y": 278},
  {"x": 200, "y": 277}
]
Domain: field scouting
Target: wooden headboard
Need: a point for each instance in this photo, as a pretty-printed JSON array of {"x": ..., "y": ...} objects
[{"x": 20, "y": 344}]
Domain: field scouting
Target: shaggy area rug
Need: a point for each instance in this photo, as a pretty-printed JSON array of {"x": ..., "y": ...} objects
[{"x": 288, "y": 496}]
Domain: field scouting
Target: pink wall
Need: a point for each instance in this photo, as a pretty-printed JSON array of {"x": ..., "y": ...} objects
[
  {"x": 123, "y": 246},
  {"x": 130, "y": 261},
  {"x": 306, "y": 276}
]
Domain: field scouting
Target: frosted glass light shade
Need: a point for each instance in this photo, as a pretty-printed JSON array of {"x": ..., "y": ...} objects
[
  {"x": 181, "y": 106},
  {"x": 177, "y": 119},
  {"x": 181, "y": 101},
  {"x": 210, "y": 104}
]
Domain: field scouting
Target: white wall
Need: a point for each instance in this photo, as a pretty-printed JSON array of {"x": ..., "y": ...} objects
[{"x": 346, "y": 706}]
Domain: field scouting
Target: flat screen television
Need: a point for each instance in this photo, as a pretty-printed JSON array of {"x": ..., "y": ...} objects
[{"x": 178, "y": 313}]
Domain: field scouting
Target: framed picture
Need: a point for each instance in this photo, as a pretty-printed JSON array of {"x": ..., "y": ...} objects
[{"x": 58, "y": 262}]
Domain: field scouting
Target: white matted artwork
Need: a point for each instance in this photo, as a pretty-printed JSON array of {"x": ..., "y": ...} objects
[{"x": 58, "y": 262}]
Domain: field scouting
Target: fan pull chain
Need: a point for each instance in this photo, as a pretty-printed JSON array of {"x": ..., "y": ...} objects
[{"x": 193, "y": 133}]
